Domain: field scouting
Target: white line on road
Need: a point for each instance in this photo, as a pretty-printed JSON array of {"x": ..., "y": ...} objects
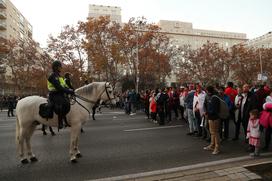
[
  {"x": 108, "y": 113},
  {"x": 153, "y": 128},
  {"x": 7, "y": 125}
]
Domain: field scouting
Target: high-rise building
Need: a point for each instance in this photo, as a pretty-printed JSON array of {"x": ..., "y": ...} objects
[
  {"x": 13, "y": 25},
  {"x": 114, "y": 12},
  {"x": 264, "y": 41}
]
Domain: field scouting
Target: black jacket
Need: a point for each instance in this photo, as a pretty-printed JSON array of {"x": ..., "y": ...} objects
[
  {"x": 212, "y": 105},
  {"x": 250, "y": 104}
]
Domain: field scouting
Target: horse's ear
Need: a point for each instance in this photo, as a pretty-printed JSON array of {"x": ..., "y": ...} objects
[{"x": 109, "y": 84}]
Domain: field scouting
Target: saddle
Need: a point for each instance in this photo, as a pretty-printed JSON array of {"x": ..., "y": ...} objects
[{"x": 46, "y": 110}]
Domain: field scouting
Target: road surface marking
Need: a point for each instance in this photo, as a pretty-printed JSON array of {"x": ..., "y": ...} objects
[{"x": 153, "y": 128}]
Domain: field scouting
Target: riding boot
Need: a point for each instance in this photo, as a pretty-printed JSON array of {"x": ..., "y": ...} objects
[
  {"x": 51, "y": 130},
  {"x": 66, "y": 123},
  {"x": 60, "y": 125}
]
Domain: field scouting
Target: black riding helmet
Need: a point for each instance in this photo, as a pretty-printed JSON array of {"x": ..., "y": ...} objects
[{"x": 55, "y": 65}]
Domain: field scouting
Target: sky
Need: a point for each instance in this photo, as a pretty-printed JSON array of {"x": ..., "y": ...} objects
[{"x": 253, "y": 17}]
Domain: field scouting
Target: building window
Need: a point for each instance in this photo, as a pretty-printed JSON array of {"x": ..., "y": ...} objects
[
  {"x": 29, "y": 27},
  {"x": 22, "y": 18},
  {"x": 177, "y": 25},
  {"x": 21, "y": 35}
]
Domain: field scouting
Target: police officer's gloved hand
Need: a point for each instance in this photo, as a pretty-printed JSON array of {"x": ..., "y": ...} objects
[{"x": 72, "y": 92}]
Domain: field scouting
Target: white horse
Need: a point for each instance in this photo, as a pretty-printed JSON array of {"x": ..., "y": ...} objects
[{"x": 27, "y": 111}]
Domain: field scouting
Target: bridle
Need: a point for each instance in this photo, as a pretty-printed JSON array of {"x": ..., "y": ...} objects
[
  {"x": 93, "y": 102},
  {"x": 106, "y": 89}
]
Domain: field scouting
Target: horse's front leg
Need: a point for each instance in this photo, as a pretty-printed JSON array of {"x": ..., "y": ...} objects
[{"x": 75, "y": 130}]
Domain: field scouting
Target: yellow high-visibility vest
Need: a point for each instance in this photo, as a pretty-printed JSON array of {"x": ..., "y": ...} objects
[{"x": 51, "y": 87}]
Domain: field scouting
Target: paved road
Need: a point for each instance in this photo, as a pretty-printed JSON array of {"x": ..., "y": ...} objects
[{"x": 115, "y": 144}]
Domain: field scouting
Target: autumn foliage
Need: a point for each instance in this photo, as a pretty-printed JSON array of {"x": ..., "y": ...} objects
[
  {"x": 211, "y": 64},
  {"x": 102, "y": 50}
]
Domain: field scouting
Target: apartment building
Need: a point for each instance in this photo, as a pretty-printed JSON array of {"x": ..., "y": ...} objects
[
  {"x": 183, "y": 33},
  {"x": 264, "y": 41},
  {"x": 13, "y": 25},
  {"x": 114, "y": 12}
]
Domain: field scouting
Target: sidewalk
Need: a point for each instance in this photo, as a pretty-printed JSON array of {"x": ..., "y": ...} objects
[{"x": 222, "y": 170}]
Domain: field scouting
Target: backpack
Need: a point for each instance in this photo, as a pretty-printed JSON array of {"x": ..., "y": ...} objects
[{"x": 223, "y": 109}]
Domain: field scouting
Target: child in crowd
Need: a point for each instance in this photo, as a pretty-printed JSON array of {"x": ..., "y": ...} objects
[{"x": 253, "y": 132}]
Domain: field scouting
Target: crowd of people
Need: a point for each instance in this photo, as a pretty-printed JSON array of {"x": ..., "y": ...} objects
[{"x": 209, "y": 111}]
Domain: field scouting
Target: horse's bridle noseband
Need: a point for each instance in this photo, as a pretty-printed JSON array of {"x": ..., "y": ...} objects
[{"x": 106, "y": 89}]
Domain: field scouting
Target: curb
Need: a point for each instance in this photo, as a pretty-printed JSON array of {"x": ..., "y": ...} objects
[{"x": 176, "y": 169}]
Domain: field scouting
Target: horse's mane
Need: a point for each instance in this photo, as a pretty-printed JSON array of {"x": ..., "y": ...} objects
[{"x": 86, "y": 89}]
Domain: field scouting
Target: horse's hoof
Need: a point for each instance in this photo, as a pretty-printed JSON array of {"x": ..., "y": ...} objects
[
  {"x": 53, "y": 134},
  {"x": 33, "y": 159},
  {"x": 78, "y": 155},
  {"x": 24, "y": 161},
  {"x": 74, "y": 160}
]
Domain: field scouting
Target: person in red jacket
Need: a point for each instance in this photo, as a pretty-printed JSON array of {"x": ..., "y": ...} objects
[
  {"x": 231, "y": 92},
  {"x": 153, "y": 107}
]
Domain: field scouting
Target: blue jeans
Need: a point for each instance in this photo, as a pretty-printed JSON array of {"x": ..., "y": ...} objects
[{"x": 191, "y": 120}]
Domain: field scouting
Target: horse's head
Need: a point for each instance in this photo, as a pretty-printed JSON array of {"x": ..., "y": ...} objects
[{"x": 108, "y": 95}]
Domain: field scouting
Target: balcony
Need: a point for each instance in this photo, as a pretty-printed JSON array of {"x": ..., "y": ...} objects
[
  {"x": 3, "y": 15},
  {"x": 3, "y": 25},
  {"x": 3, "y": 4}
]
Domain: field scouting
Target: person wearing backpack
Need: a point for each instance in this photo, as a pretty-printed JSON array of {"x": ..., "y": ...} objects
[{"x": 212, "y": 111}]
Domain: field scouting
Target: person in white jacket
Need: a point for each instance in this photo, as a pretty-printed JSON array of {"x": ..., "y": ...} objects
[{"x": 198, "y": 107}]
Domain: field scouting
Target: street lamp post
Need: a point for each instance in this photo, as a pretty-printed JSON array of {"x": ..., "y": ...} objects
[
  {"x": 137, "y": 57},
  {"x": 261, "y": 77},
  {"x": 137, "y": 64},
  {"x": 261, "y": 63}
]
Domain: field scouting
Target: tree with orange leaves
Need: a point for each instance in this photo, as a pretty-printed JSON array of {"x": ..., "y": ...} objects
[
  {"x": 208, "y": 64},
  {"x": 67, "y": 47},
  {"x": 248, "y": 62},
  {"x": 102, "y": 44},
  {"x": 137, "y": 49}
]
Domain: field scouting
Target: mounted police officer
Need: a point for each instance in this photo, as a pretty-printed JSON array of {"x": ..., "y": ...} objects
[{"x": 58, "y": 93}]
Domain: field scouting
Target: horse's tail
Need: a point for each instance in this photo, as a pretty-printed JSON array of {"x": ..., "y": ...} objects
[{"x": 17, "y": 138}]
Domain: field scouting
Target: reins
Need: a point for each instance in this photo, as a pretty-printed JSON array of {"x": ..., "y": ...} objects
[{"x": 74, "y": 98}]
